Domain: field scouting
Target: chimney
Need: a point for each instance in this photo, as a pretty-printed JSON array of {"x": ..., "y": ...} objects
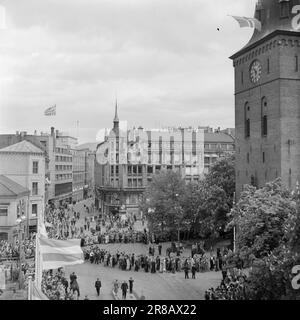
[
  {"x": 17, "y": 133},
  {"x": 57, "y": 134},
  {"x": 52, "y": 131}
]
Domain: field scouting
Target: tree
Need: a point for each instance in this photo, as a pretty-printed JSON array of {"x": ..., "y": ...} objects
[
  {"x": 205, "y": 207},
  {"x": 260, "y": 216},
  {"x": 222, "y": 174},
  {"x": 162, "y": 202},
  {"x": 268, "y": 222}
]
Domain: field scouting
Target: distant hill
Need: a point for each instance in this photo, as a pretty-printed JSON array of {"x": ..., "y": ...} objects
[{"x": 89, "y": 145}]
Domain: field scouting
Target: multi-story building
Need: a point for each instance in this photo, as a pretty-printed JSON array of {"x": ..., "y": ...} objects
[
  {"x": 267, "y": 98},
  {"x": 79, "y": 173},
  {"x": 58, "y": 165},
  {"x": 217, "y": 143},
  {"x": 127, "y": 159},
  {"x": 14, "y": 203},
  {"x": 24, "y": 163}
]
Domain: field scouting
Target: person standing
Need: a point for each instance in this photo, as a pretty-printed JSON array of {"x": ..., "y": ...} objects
[
  {"x": 186, "y": 271},
  {"x": 124, "y": 287},
  {"x": 98, "y": 286},
  {"x": 130, "y": 285},
  {"x": 193, "y": 271}
]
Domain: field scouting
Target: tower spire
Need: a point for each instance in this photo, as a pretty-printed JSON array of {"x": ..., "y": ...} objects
[{"x": 116, "y": 119}]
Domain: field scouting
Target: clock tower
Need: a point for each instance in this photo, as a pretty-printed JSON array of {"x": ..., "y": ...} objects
[{"x": 267, "y": 98}]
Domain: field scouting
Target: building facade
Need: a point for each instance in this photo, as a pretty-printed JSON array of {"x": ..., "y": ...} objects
[
  {"x": 127, "y": 159},
  {"x": 267, "y": 98},
  {"x": 14, "y": 203},
  {"x": 24, "y": 164},
  {"x": 217, "y": 144}
]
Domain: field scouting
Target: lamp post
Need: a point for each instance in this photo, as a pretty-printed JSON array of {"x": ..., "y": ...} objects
[{"x": 178, "y": 210}]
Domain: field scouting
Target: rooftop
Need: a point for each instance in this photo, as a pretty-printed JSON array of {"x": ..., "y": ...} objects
[
  {"x": 9, "y": 188},
  {"x": 22, "y": 147}
]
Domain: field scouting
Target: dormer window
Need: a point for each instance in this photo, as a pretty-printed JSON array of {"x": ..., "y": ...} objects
[{"x": 284, "y": 8}]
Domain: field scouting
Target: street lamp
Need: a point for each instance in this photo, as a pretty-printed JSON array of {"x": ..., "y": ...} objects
[{"x": 178, "y": 209}]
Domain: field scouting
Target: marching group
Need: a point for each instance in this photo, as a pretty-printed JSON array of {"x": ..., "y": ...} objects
[{"x": 147, "y": 262}]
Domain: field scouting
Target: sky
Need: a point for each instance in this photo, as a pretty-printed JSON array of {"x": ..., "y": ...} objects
[{"x": 164, "y": 61}]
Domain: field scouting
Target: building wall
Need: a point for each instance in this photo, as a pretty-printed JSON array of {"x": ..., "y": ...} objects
[
  {"x": 8, "y": 223},
  {"x": 18, "y": 167},
  {"x": 277, "y": 154},
  {"x": 134, "y": 156}
]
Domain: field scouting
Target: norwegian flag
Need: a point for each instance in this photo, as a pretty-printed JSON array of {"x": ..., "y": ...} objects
[
  {"x": 248, "y": 22},
  {"x": 51, "y": 111}
]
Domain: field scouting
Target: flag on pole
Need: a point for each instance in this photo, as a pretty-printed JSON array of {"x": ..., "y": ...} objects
[
  {"x": 248, "y": 22},
  {"x": 51, "y": 111},
  {"x": 59, "y": 253}
]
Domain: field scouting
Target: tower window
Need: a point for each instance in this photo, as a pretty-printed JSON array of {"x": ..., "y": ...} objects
[
  {"x": 247, "y": 120},
  {"x": 268, "y": 65},
  {"x": 296, "y": 64},
  {"x": 264, "y": 157},
  {"x": 284, "y": 8},
  {"x": 248, "y": 158},
  {"x": 264, "y": 117},
  {"x": 242, "y": 77}
]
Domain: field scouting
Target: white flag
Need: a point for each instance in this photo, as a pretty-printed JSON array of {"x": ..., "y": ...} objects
[
  {"x": 245, "y": 22},
  {"x": 59, "y": 253}
]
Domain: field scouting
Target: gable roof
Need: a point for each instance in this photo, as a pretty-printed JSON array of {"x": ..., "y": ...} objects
[
  {"x": 11, "y": 189},
  {"x": 22, "y": 147}
]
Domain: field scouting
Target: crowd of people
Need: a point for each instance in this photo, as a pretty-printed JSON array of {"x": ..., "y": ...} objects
[
  {"x": 146, "y": 262},
  {"x": 232, "y": 287},
  {"x": 56, "y": 286},
  {"x": 11, "y": 251}
]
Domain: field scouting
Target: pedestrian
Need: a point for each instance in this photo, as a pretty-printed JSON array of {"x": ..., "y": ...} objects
[
  {"x": 124, "y": 287},
  {"x": 98, "y": 286},
  {"x": 193, "y": 271},
  {"x": 130, "y": 285},
  {"x": 186, "y": 271}
]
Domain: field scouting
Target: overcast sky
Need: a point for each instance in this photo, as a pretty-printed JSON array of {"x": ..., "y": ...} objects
[{"x": 164, "y": 60}]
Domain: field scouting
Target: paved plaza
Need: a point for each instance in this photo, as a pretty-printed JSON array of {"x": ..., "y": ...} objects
[
  {"x": 166, "y": 286},
  {"x": 160, "y": 286}
]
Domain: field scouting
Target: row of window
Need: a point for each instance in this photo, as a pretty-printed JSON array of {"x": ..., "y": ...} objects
[
  {"x": 62, "y": 150},
  {"x": 264, "y": 118},
  {"x": 135, "y": 183},
  {"x": 209, "y": 160},
  {"x": 4, "y": 210},
  {"x": 137, "y": 170},
  {"x": 215, "y": 146},
  {"x": 63, "y": 167},
  {"x": 63, "y": 176},
  {"x": 63, "y": 159}
]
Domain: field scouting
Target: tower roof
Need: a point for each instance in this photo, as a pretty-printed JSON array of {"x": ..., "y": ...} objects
[{"x": 274, "y": 15}]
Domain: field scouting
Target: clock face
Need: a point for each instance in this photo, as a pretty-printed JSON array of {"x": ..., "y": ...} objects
[{"x": 255, "y": 71}]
